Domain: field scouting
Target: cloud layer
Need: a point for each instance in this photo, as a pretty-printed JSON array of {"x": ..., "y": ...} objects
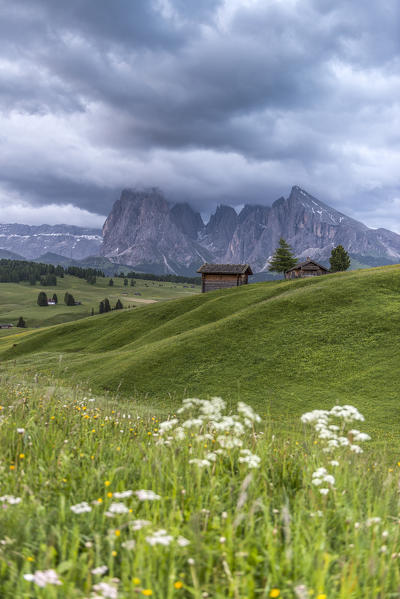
[{"x": 212, "y": 101}]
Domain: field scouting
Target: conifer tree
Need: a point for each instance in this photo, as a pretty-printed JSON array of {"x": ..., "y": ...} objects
[
  {"x": 71, "y": 300},
  {"x": 340, "y": 259},
  {"x": 118, "y": 305},
  {"x": 125, "y": 282},
  {"x": 42, "y": 299},
  {"x": 21, "y": 322},
  {"x": 111, "y": 282},
  {"x": 55, "y": 298},
  {"x": 101, "y": 307},
  {"x": 107, "y": 307},
  {"x": 133, "y": 282},
  {"x": 283, "y": 258}
]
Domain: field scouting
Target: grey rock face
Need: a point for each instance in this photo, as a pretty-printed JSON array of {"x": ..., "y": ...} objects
[
  {"x": 34, "y": 241},
  {"x": 187, "y": 220},
  {"x": 219, "y": 230},
  {"x": 144, "y": 229}
]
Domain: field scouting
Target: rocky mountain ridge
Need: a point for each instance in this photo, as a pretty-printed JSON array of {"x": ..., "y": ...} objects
[
  {"x": 32, "y": 241},
  {"x": 146, "y": 231},
  {"x": 151, "y": 234}
]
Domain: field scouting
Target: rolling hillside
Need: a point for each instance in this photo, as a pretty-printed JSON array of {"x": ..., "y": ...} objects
[
  {"x": 20, "y": 299},
  {"x": 283, "y": 346}
]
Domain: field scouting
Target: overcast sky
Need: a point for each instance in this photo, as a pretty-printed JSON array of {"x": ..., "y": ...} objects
[{"x": 212, "y": 101}]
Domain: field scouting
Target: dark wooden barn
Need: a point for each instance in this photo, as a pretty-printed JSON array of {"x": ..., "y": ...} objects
[
  {"x": 219, "y": 276},
  {"x": 309, "y": 268}
]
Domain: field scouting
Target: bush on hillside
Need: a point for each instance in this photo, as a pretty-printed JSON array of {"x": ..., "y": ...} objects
[
  {"x": 21, "y": 323},
  {"x": 42, "y": 299}
]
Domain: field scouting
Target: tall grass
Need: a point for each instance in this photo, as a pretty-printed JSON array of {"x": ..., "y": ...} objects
[{"x": 230, "y": 530}]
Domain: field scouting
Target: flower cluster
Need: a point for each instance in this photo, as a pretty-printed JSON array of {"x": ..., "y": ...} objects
[
  {"x": 43, "y": 577},
  {"x": 330, "y": 425},
  {"x": 209, "y": 422}
]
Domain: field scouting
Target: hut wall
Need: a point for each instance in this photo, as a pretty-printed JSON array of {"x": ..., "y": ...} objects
[{"x": 212, "y": 282}]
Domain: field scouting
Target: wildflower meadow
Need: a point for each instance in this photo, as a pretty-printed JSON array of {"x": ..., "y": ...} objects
[{"x": 100, "y": 499}]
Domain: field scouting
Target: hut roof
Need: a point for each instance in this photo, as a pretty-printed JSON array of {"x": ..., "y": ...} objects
[
  {"x": 225, "y": 269},
  {"x": 308, "y": 265}
]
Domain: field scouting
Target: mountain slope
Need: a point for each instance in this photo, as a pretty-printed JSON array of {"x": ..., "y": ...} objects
[
  {"x": 34, "y": 241},
  {"x": 145, "y": 229},
  {"x": 286, "y": 346}
]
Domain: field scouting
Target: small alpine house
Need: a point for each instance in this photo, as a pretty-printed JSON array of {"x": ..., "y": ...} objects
[
  {"x": 309, "y": 268},
  {"x": 219, "y": 276}
]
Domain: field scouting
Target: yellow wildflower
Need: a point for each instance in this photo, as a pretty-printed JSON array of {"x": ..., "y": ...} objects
[{"x": 178, "y": 584}]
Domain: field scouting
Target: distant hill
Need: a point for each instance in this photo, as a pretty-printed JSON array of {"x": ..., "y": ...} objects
[
  {"x": 284, "y": 346},
  {"x": 6, "y": 255},
  {"x": 34, "y": 241}
]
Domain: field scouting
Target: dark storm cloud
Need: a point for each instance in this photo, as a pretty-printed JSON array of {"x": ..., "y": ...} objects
[{"x": 211, "y": 101}]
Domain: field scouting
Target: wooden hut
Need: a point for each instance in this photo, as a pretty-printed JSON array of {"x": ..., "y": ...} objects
[
  {"x": 309, "y": 268},
  {"x": 219, "y": 276}
]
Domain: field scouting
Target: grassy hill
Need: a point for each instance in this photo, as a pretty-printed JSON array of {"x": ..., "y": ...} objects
[
  {"x": 285, "y": 347},
  {"x": 19, "y": 299}
]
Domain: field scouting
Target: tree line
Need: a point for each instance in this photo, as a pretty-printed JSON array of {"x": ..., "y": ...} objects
[{"x": 16, "y": 271}]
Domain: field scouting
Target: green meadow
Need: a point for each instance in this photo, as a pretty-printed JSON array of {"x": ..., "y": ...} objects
[
  {"x": 20, "y": 299},
  {"x": 284, "y": 347},
  {"x": 110, "y": 490},
  {"x": 101, "y": 498}
]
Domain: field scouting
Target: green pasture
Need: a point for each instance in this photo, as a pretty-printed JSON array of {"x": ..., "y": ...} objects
[
  {"x": 19, "y": 299},
  {"x": 284, "y": 347}
]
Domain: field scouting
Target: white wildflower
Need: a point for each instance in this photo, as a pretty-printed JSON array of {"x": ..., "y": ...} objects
[
  {"x": 160, "y": 537},
  {"x": 167, "y": 425},
  {"x": 43, "y": 577},
  {"x": 200, "y": 463},
  {"x": 373, "y": 520},
  {"x": 123, "y": 494},
  {"x": 81, "y": 508},
  {"x": 107, "y": 590},
  {"x": 324, "y": 491},
  {"x": 10, "y": 499},
  {"x": 228, "y": 442},
  {"x": 20, "y": 431},
  {"x": 194, "y": 422},
  {"x": 182, "y": 542},
  {"x": 118, "y": 508},
  {"x": 129, "y": 544},
  {"x": 334, "y": 463},
  {"x": 248, "y": 412},
  {"x": 211, "y": 456},
  {"x": 100, "y": 570},
  {"x": 356, "y": 449},
  {"x": 145, "y": 495},
  {"x": 315, "y": 415},
  {"x": 249, "y": 458},
  {"x": 138, "y": 524}
]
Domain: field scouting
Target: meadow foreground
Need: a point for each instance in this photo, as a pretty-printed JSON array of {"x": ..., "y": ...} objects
[{"x": 100, "y": 500}]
